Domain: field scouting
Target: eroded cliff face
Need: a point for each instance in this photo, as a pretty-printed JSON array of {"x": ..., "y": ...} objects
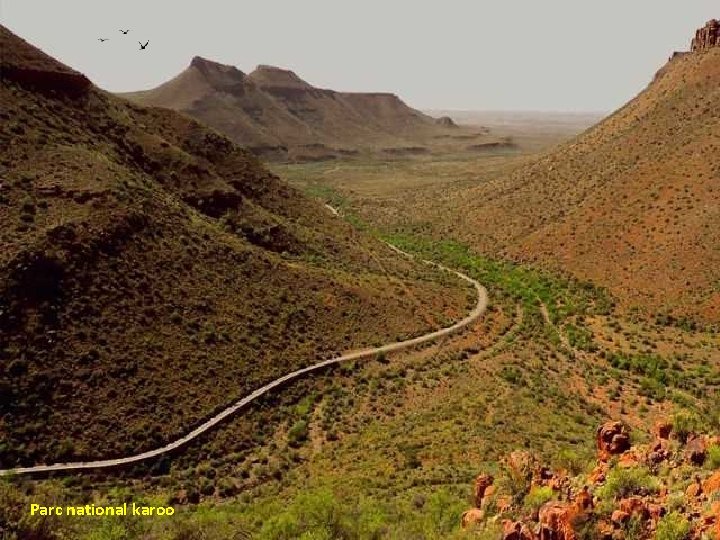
[{"x": 707, "y": 37}]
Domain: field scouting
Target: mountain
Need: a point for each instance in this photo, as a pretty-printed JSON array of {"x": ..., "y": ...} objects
[
  {"x": 151, "y": 270},
  {"x": 633, "y": 203},
  {"x": 279, "y": 115}
]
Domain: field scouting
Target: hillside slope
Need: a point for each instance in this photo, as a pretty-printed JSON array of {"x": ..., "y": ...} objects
[
  {"x": 632, "y": 204},
  {"x": 151, "y": 271}
]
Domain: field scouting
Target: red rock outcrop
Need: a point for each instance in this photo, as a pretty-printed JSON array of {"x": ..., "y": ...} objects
[
  {"x": 696, "y": 450},
  {"x": 612, "y": 438},
  {"x": 707, "y": 37},
  {"x": 516, "y": 530},
  {"x": 584, "y": 500},
  {"x": 695, "y": 489},
  {"x": 634, "y": 507},
  {"x": 712, "y": 484},
  {"x": 662, "y": 430},
  {"x": 556, "y": 521},
  {"x": 572, "y": 513}
]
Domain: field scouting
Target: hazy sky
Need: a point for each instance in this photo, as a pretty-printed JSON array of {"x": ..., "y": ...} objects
[{"x": 584, "y": 55}]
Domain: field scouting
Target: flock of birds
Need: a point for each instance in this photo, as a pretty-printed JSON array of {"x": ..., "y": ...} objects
[{"x": 125, "y": 32}]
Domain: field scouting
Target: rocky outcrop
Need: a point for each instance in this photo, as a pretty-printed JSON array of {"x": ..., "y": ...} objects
[
  {"x": 612, "y": 438},
  {"x": 516, "y": 530},
  {"x": 483, "y": 487},
  {"x": 627, "y": 495},
  {"x": 707, "y": 37},
  {"x": 445, "y": 121},
  {"x": 471, "y": 518},
  {"x": 556, "y": 521}
]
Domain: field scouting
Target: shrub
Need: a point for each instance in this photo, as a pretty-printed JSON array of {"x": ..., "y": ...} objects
[
  {"x": 685, "y": 423},
  {"x": 622, "y": 483},
  {"x": 571, "y": 460},
  {"x": 713, "y": 457},
  {"x": 538, "y": 496},
  {"x": 512, "y": 375},
  {"x": 311, "y": 515},
  {"x": 673, "y": 526},
  {"x": 298, "y": 433}
]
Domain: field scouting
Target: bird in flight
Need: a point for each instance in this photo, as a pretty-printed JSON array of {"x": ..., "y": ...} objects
[
  {"x": 124, "y": 31},
  {"x": 102, "y": 39},
  {"x": 142, "y": 47}
]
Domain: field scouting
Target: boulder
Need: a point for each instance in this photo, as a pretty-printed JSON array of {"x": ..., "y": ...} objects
[
  {"x": 694, "y": 490},
  {"x": 630, "y": 459},
  {"x": 712, "y": 484},
  {"x": 445, "y": 121},
  {"x": 659, "y": 452},
  {"x": 612, "y": 438},
  {"x": 604, "y": 530},
  {"x": 516, "y": 530},
  {"x": 656, "y": 511},
  {"x": 634, "y": 507},
  {"x": 583, "y": 500},
  {"x": 696, "y": 450},
  {"x": 619, "y": 517},
  {"x": 472, "y": 517},
  {"x": 556, "y": 521},
  {"x": 598, "y": 474},
  {"x": 662, "y": 429},
  {"x": 482, "y": 483}
]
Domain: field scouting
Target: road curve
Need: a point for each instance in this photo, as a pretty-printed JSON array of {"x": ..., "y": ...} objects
[{"x": 478, "y": 310}]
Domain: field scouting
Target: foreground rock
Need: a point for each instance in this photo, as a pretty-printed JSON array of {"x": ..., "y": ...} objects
[{"x": 662, "y": 489}]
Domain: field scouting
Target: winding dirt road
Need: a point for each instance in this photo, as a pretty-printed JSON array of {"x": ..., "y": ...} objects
[{"x": 478, "y": 310}]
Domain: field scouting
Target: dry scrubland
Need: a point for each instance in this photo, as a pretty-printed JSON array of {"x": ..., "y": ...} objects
[{"x": 631, "y": 204}]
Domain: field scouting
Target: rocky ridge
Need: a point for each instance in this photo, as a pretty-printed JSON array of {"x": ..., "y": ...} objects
[{"x": 707, "y": 37}]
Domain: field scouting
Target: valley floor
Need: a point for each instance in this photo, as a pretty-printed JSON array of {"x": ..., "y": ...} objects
[{"x": 388, "y": 448}]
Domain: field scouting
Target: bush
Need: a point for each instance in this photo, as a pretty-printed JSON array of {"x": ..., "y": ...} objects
[
  {"x": 713, "y": 457},
  {"x": 571, "y": 460},
  {"x": 673, "y": 526},
  {"x": 320, "y": 515},
  {"x": 298, "y": 433},
  {"x": 685, "y": 423},
  {"x": 538, "y": 496},
  {"x": 622, "y": 483}
]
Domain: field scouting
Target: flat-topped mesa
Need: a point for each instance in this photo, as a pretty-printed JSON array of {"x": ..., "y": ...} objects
[{"x": 707, "y": 37}]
